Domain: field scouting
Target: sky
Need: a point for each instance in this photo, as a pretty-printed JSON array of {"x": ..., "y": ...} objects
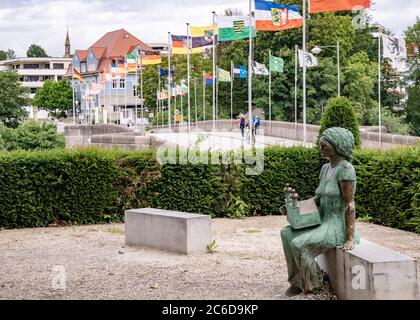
[{"x": 44, "y": 22}]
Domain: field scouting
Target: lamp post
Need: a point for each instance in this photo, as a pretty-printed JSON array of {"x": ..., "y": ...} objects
[{"x": 318, "y": 49}]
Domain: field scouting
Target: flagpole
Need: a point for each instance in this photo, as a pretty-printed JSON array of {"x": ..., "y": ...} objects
[
  {"x": 189, "y": 45},
  {"x": 136, "y": 88},
  {"x": 214, "y": 73},
  {"x": 72, "y": 87},
  {"x": 231, "y": 95},
  {"x": 296, "y": 83},
  {"x": 182, "y": 107},
  {"x": 169, "y": 82},
  {"x": 204, "y": 101},
  {"x": 304, "y": 71},
  {"x": 269, "y": 88},
  {"x": 250, "y": 72},
  {"x": 159, "y": 100},
  {"x": 217, "y": 94},
  {"x": 141, "y": 92},
  {"x": 125, "y": 86},
  {"x": 195, "y": 100},
  {"x": 379, "y": 87}
]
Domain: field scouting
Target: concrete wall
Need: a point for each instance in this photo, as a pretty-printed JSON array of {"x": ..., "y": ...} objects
[{"x": 80, "y": 135}]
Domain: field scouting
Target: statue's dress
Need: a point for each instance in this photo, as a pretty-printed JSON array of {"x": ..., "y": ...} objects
[{"x": 302, "y": 246}]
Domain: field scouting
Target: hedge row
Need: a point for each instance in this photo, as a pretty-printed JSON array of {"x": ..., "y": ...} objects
[{"x": 93, "y": 186}]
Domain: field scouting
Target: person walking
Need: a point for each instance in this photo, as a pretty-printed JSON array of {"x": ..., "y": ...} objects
[{"x": 242, "y": 123}]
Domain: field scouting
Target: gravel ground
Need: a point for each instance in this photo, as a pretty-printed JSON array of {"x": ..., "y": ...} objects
[{"x": 248, "y": 263}]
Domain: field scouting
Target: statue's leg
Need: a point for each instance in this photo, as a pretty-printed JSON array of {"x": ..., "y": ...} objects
[
  {"x": 294, "y": 276},
  {"x": 305, "y": 248}
]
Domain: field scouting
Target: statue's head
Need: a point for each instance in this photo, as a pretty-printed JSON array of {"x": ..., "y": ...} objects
[{"x": 338, "y": 140}]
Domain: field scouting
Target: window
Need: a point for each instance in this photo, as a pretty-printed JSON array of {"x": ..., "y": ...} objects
[
  {"x": 58, "y": 66},
  {"x": 31, "y": 66},
  {"x": 83, "y": 67},
  {"x": 122, "y": 83},
  {"x": 114, "y": 84},
  {"x": 33, "y": 90},
  {"x": 33, "y": 78}
]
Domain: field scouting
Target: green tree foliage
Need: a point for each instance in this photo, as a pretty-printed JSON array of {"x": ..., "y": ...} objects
[
  {"x": 13, "y": 99},
  {"x": 413, "y": 108},
  {"x": 340, "y": 113},
  {"x": 7, "y": 55},
  {"x": 54, "y": 96},
  {"x": 360, "y": 79},
  {"x": 413, "y": 105},
  {"x": 36, "y": 51},
  {"x": 32, "y": 135}
]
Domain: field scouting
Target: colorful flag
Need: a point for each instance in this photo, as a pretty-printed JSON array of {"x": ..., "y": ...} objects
[
  {"x": 239, "y": 72},
  {"x": 276, "y": 64},
  {"x": 259, "y": 68},
  {"x": 209, "y": 79},
  {"x": 77, "y": 75},
  {"x": 151, "y": 59},
  {"x": 204, "y": 31},
  {"x": 223, "y": 75},
  {"x": 311, "y": 60},
  {"x": 163, "y": 95},
  {"x": 131, "y": 58},
  {"x": 337, "y": 5},
  {"x": 179, "y": 45},
  {"x": 271, "y": 16},
  {"x": 163, "y": 72},
  {"x": 394, "y": 48},
  {"x": 235, "y": 27}
]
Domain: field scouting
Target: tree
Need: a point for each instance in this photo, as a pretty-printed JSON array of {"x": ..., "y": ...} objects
[
  {"x": 340, "y": 113},
  {"x": 54, "y": 96},
  {"x": 13, "y": 99},
  {"x": 413, "y": 109},
  {"x": 35, "y": 51},
  {"x": 7, "y": 55}
]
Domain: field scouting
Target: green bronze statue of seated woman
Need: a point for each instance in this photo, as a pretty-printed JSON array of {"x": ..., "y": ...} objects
[{"x": 335, "y": 201}]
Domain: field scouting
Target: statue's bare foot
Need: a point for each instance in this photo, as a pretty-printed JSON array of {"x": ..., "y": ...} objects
[{"x": 293, "y": 291}]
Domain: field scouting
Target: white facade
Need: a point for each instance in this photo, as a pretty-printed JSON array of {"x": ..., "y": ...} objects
[{"x": 34, "y": 72}]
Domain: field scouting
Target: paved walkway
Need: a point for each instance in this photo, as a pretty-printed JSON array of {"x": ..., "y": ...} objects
[{"x": 225, "y": 140}]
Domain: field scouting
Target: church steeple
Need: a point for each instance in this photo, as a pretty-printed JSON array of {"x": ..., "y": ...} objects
[{"x": 67, "y": 46}]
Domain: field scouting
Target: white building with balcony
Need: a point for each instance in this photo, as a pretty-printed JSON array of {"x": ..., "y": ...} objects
[{"x": 33, "y": 72}]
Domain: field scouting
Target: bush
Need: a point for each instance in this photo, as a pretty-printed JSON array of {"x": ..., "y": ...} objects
[
  {"x": 93, "y": 186},
  {"x": 340, "y": 113},
  {"x": 32, "y": 135}
]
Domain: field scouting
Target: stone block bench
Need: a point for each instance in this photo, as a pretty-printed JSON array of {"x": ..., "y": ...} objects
[
  {"x": 180, "y": 232},
  {"x": 370, "y": 272}
]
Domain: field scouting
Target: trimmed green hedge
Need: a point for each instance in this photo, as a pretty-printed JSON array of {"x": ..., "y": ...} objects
[{"x": 93, "y": 186}]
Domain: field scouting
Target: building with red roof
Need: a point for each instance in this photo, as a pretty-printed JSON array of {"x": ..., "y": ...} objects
[{"x": 117, "y": 101}]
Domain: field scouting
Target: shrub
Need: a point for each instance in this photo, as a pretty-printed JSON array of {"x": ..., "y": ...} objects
[
  {"x": 32, "y": 135},
  {"x": 340, "y": 113},
  {"x": 38, "y": 188}
]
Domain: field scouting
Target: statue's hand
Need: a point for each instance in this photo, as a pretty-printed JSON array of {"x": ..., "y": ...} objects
[{"x": 348, "y": 245}]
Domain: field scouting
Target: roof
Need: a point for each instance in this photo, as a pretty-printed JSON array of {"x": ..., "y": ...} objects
[
  {"x": 118, "y": 43},
  {"x": 98, "y": 52},
  {"x": 82, "y": 54}
]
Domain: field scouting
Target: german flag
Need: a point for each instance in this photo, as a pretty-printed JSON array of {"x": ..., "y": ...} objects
[
  {"x": 151, "y": 59},
  {"x": 77, "y": 75}
]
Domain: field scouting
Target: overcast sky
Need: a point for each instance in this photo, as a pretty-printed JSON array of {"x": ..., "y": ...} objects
[{"x": 23, "y": 22}]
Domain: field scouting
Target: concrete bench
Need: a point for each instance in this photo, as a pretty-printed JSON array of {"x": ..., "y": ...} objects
[
  {"x": 370, "y": 272},
  {"x": 173, "y": 231}
]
